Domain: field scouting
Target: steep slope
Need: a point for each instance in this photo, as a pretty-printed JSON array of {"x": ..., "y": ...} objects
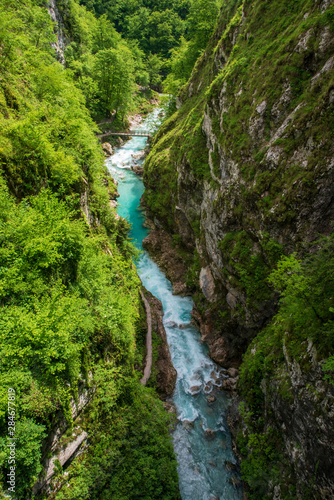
[
  {"x": 242, "y": 173},
  {"x": 72, "y": 325}
]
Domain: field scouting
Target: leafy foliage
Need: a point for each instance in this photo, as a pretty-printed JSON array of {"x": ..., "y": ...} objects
[
  {"x": 261, "y": 462},
  {"x": 62, "y": 304},
  {"x": 200, "y": 23},
  {"x": 69, "y": 292},
  {"x": 250, "y": 266},
  {"x": 131, "y": 455},
  {"x": 104, "y": 67},
  {"x": 305, "y": 315},
  {"x": 155, "y": 25},
  {"x": 47, "y": 135},
  {"x": 171, "y": 35}
]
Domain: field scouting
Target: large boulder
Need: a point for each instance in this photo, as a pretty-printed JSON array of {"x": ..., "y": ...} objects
[{"x": 107, "y": 149}]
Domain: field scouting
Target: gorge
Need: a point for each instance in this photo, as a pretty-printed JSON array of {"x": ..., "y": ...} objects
[
  {"x": 235, "y": 218},
  {"x": 206, "y": 466}
]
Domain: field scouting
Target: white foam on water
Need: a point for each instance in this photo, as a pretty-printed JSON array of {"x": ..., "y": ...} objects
[{"x": 201, "y": 439}]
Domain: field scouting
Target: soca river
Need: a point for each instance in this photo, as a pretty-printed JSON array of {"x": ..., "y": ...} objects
[{"x": 207, "y": 468}]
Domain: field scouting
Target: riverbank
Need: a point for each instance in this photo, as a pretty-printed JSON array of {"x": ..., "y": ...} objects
[{"x": 163, "y": 376}]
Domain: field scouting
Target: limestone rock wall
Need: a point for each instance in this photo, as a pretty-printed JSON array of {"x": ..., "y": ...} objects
[
  {"x": 266, "y": 164},
  {"x": 243, "y": 173}
]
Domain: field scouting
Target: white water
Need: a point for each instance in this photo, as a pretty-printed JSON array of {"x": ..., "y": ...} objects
[{"x": 203, "y": 472}]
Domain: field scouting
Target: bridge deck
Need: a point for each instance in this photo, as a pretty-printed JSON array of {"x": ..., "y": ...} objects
[{"x": 132, "y": 133}]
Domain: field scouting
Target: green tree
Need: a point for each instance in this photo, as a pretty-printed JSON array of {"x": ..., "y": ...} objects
[
  {"x": 201, "y": 21},
  {"x": 104, "y": 35},
  {"x": 154, "y": 65},
  {"x": 29, "y": 436},
  {"x": 200, "y": 24},
  {"x": 112, "y": 70}
]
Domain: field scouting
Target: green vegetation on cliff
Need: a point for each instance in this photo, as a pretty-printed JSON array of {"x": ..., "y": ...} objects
[
  {"x": 299, "y": 337},
  {"x": 305, "y": 316},
  {"x": 69, "y": 293},
  {"x": 237, "y": 68},
  {"x": 242, "y": 172},
  {"x": 156, "y": 26},
  {"x": 130, "y": 453},
  {"x": 180, "y": 139}
]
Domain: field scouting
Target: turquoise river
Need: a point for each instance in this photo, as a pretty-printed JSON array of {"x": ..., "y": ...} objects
[{"x": 206, "y": 465}]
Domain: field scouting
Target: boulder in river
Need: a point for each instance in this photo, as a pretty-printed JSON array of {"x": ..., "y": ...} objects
[
  {"x": 235, "y": 481},
  {"x": 229, "y": 384},
  {"x": 107, "y": 149},
  {"x": 214, "y": 375},
  {"x": 138, "y": 156},
  {"x": 188, "y": 424},
  {"x": 209, "y": 434},
  {"x": 232, "y": 372},
  {"x": 218, "y": 377},
  {"x": 208, "y": 387},
  {"x": 137, "y": 169},
  {"x": 171, "y": 324},
  {"x": 229, "y": 466},
  {"x": 119, "y": 141},
  {"x": 170, "y": 407},
  {"x": 195, "y": 389},
  {"x": 211, "y": 399}
]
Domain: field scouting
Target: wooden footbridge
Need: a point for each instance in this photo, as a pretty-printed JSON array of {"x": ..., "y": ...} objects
[{"x": 129, "y": 133}]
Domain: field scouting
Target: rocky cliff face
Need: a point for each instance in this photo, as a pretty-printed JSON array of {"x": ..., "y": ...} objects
[
  {"x": 159, "y": 244},
  {"x": 249, "y": 157},
  {"x": 285, "y": 444},
  {"x": 243, "y": 173},
  {"x": 306, "y": 418},
  {"x": 165, "y": 376}
]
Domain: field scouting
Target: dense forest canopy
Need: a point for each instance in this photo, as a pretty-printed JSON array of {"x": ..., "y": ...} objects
[
  {"x": 123, "y": 47},
  {"x": 171, "y": 35}
]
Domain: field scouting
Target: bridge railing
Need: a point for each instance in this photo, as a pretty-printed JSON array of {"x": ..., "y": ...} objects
[
  {"x": 142, "y": 133},
  {"x": 132, "y": 132},
  {"x": 139, "y": 132}
]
